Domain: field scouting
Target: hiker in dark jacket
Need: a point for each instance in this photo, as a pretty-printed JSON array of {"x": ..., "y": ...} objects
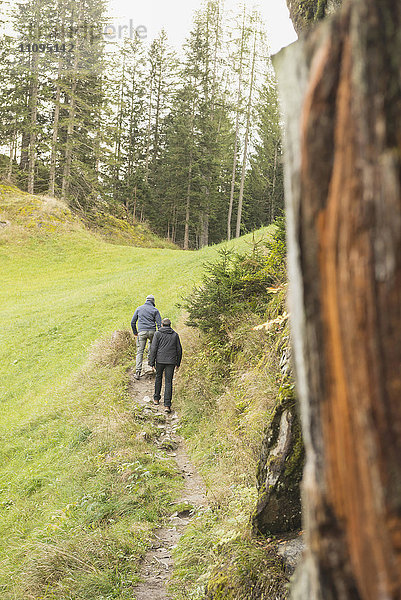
[
  {"x": 166, "y": 353},
  {"x": 147, "y": 316}
]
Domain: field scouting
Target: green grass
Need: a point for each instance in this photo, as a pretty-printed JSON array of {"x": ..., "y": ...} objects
[
  {"x": 77, "y": 503},
  {"x": 59, "y": 294}
]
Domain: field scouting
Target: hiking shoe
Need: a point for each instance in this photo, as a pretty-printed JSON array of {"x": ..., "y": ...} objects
[
  {"x": 168, "y": 409},
  {"x": 137, "y": 376},
  {"x": 156, "y": 402}
]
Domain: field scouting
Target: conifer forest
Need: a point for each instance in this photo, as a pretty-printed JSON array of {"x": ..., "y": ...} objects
[{"x": 182, "y": 140}]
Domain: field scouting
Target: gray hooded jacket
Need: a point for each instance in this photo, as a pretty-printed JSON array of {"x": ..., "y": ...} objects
[{"x": 147, "y": 317}]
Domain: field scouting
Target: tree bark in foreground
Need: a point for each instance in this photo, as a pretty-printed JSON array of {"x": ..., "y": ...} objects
[{"x": 340, "y": 87}]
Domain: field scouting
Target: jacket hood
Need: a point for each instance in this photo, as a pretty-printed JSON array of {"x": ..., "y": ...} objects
[{"x": 166, "y": 330}]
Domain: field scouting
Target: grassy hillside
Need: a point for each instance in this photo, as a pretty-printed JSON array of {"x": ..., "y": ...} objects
[
  {"x": 63, "y": 290},
  {"x": 67, "y": 424}
]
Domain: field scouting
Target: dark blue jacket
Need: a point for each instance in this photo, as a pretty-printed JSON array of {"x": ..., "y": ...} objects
[
  {"x": 166, "y": 348},
  {"x": 147, "y": 316}
]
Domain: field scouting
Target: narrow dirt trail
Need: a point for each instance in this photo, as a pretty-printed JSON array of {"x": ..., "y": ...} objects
[{"x": 158, "y": 563}]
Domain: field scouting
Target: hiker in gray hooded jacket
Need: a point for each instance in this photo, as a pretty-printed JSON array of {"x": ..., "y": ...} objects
[{"x": 148, "y": 317}]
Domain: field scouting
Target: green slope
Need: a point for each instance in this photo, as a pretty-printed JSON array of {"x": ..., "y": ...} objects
[
  {"x": 61, "y": 293},
  {"x": 62, "y": 289}
]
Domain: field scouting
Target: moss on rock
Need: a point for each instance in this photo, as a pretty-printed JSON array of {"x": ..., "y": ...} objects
[
  {"x": 305, "y": 12},
  {"x": 280, "y": 469}
]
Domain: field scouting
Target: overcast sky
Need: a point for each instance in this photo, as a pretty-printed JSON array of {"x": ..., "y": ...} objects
[{"x": 176, "y": 17}]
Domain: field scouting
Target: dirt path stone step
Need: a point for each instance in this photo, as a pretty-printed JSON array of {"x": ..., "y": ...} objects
[{"x": 157, "y": 565}]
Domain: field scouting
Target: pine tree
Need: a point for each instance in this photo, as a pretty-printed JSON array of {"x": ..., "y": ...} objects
[
  {"x": 12, "y": 104},
  {"x": 30, "y": 65},
  {"x": 163, "y": 68},
  {"x": 179, "y": 167},
  {"x": 83, "y": 98},
  {"x": 203, "y": 64}
]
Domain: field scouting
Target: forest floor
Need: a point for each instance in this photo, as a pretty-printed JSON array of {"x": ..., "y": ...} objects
[{"x": 157, "y": 565}]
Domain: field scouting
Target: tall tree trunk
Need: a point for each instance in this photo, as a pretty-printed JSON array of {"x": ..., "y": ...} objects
[
  {"x": 33, "y": 110},
  {"x": 272, "y": 199},
  {"x": 119, "y": 128},
  {"x": 149, "y": 126},
  {"x": 27, "y": 91},
  {"x": 204, "y": 235},
  {"x": 341, "y": 91},
  {"x": 13, "y": 148},
  {"x": 69, "y": 143},
  {"x": 56, "y": 120},
  {"x": 202, "y": 228},
  {"x": 188, "y": 206},
  {"x": 24, "y": 150},
  {"x": 247, "y": 131},
  {"x": 131, "y": 146},
  {"x": 135, "y": 202},
  {"x": 158, "y": 108},
  {"x": 237, "y": 124},
  {"x": 71, "y": 117},
  {"x": 210, "y": 101},
  {"x": 189, "y": 187}
]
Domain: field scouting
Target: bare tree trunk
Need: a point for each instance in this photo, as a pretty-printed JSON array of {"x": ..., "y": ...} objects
[
  {"x": 247, "y": 130},
  {"x": 135, "y": 201},
  {"x": 56, "y": 119},
  {"x": 25, "y": 127},
  {"x": 158, "y": 109},
  {"x": 119, "y": 128},
  {"x": 33, "y": 109},
  {"x": 204, "y": 221},
  {"x": 131, "y": 124},
  {"x": 341, "y": 88},
  {"x": 189, "y": 186},
  {"x": 71, "y": 119},
  {"x": 188, "y": 206},
  {"x": 149, "y": 126},
  {"x": 69, "y": 143},
  {"x": 24, "y": 150},
  {"x": 272, "y": 199},
  {"x": 175, "y": 223},
  {"x": 237, "y": 124},
  {"x": 13, "y": 147}
]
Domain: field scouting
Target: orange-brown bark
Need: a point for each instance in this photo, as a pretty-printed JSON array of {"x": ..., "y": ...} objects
[{"x": 349, "y": 242}]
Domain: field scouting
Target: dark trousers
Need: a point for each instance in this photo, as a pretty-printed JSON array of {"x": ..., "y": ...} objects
[{"x": 168, "y": 371}]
